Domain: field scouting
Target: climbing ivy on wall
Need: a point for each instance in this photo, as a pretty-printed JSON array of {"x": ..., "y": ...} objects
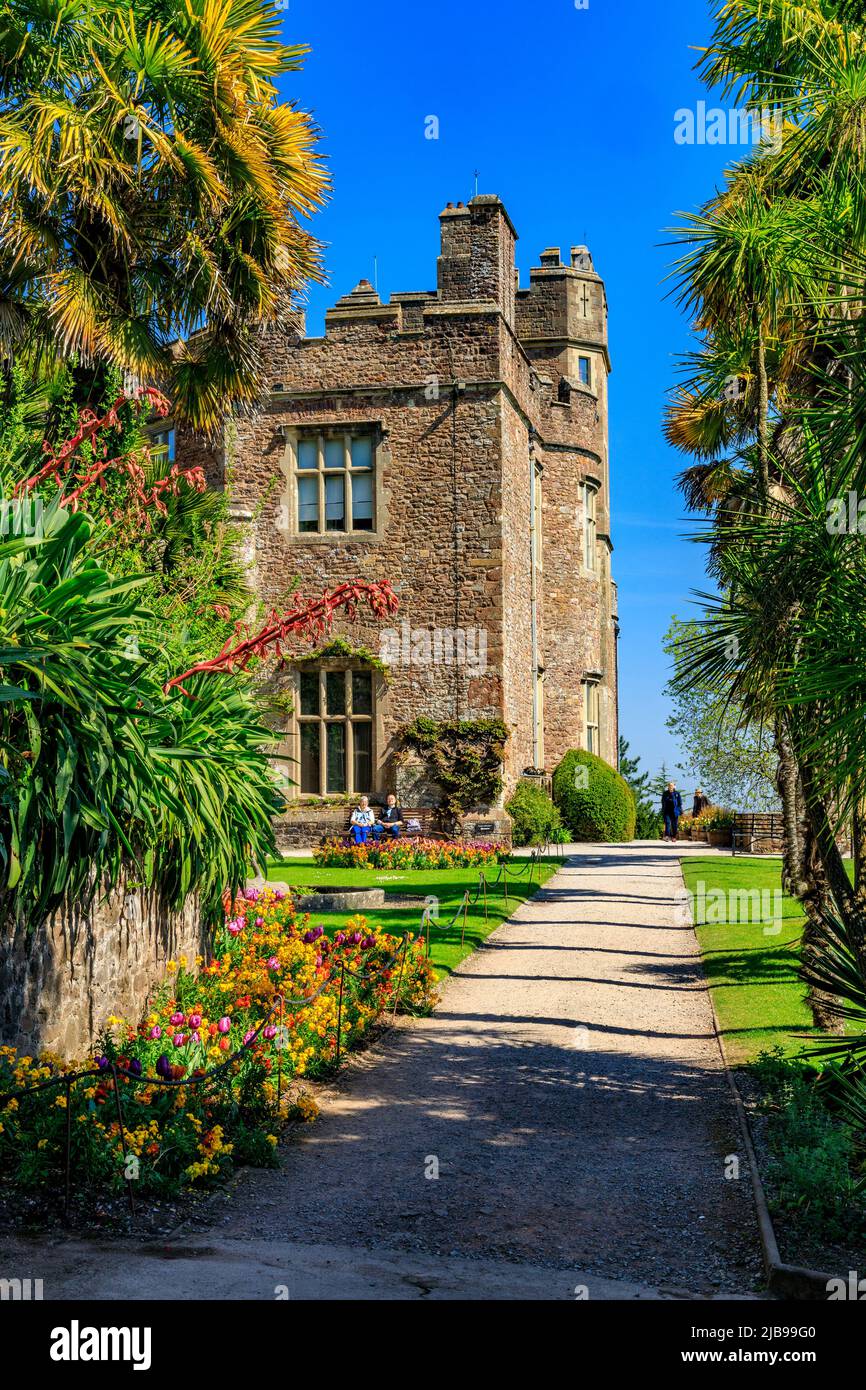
[{"x": 463, "y": 756}]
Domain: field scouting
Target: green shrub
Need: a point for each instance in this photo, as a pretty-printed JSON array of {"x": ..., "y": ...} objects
[
  {"x": 536, "y": 819},
  {"x": 812, "y": 1169},
  {"x": 593, "y": 800}
]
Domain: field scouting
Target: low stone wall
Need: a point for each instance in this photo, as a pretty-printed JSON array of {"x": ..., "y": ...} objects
[
  {"x": 59, "y": 984},
  {"x": 302, "y": 827}
]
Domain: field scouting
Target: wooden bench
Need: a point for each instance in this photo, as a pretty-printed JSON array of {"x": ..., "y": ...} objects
[
  {"x": 427, "y": 815},
  {"x": 758, "y": 832}
]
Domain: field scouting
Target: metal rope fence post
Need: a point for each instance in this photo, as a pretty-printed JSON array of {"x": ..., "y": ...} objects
[
  {"x": 68, "y": 1182},
  {"x": 120, "y": 1126},
  {"x": 340, "y": 1008},
  {"x": 484, "y": 890},
  {"x": 280, "y": 1060},
  {"x": 465, "y": 914},
  {"x": 400, "y": 977}
]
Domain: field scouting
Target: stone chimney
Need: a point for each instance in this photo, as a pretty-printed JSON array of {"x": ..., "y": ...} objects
[{"x": 477, "y": 260}]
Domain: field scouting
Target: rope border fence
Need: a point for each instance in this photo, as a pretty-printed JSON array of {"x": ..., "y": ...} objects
[
  {"x": 505, "y": 868},
  {"x": 281, "y": 1005},
  {"x": 68, "y": 1079}
]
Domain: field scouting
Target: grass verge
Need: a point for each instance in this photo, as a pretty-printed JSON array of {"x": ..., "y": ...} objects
[
  {"x": 447, "y": 886},
  {"x": 751, "y": 964}
]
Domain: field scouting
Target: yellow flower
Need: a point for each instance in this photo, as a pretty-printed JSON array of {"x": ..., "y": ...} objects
[{"x": 60, "y": 1102}]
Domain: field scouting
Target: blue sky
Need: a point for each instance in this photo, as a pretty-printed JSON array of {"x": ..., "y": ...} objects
[{"x": 568, "y": 114}]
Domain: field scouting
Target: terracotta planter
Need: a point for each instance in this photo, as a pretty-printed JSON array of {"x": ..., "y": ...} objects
[{"x": 721, "y": 839}]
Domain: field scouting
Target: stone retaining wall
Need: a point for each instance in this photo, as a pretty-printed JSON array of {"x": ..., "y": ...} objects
[{"x": 59, "y": 984}]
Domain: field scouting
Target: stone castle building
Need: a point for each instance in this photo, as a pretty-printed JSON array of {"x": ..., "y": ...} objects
[{"x": 454, "y": 441}]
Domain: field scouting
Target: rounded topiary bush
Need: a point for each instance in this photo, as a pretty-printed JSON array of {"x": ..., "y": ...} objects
[
  {"x": 536, "y": 819},
  {"x": 593, "y": 800}
]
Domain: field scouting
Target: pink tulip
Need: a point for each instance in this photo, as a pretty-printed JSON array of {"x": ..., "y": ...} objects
[
  {"x": 273, "y": 963},
  {"x": 176, "y": 1019},
  {"x": 224, "y": 1025},
  {"x": 194, "y": 1020},
  {"x": 155, "y": 1032},
  {"x": 248, "y": 1037},
  {"x": 269, "y": 1032},
  {"x": 260, "y": 921},
  {"x": 179, "y": 1039}
]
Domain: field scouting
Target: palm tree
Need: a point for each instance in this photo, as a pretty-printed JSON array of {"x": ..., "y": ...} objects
[{"x": 155, "y": 190}]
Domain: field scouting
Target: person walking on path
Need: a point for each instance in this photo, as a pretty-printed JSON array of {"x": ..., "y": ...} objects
[
  {"x": 701, "y": 802},
  {"x": 672, "y": 809}
]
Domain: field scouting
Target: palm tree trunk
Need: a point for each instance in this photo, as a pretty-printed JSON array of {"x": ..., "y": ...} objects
[
  {"x": 763, "y": 420},
  {"x": 790, "y": 795}
]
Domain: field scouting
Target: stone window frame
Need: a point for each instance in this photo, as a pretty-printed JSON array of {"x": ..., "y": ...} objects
[
  {"x": 164, "y": 430},
  {"x": 590, "y": 494},
  {"x": 590, "y": 371},
  {"x": 592, "y": 714},
  {"x": 329, "y": 430},
  {"x": 349, "y": 718}
]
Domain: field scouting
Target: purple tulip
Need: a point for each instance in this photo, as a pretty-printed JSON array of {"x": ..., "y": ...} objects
[
  {"x": 339, "y": 938},
  {"x": 135, "y": 1067},
  {"x": 103, "y": 1063},
  {"x": 163, "y": 1067},
  {"x": 368, "y": 942}
]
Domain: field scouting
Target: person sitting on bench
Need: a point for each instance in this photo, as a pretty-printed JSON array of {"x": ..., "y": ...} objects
[
  {"x": 390, "y": 821},
  {"x": 362, "y": 822}
]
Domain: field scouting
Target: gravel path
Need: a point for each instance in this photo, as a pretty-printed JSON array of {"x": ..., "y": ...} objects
[{"x": 568, "y": 1090}]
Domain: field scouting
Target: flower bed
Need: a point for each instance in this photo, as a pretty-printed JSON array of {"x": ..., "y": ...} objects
[
  {"x": 408, "y": 854},
  {"x": 181, "y": 1134}
]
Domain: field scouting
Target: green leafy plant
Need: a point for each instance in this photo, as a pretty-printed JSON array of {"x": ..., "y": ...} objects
[
  {"x": 536, "y": 819},
  {"x": 715, "y": 818},
  {"x": 593, "y": 800},
  {"x": 463, "y": 756},
  {"x": 103, "y": 770},
  {"x": 812, "y": 1170},
  {"x": 156, "y": 190},
  {"x": 341, "y": 649}
]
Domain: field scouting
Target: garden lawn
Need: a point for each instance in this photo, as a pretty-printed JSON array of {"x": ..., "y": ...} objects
[
  {"x": 448, "y": 885},
  {"x": 753, "y": 977}
]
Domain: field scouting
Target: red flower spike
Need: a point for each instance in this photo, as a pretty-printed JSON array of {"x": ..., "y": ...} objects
[{"x": 311, "y": 620}]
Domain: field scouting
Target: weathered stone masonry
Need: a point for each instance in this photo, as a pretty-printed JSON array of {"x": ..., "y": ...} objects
[{"x": 487, "y": 408}]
